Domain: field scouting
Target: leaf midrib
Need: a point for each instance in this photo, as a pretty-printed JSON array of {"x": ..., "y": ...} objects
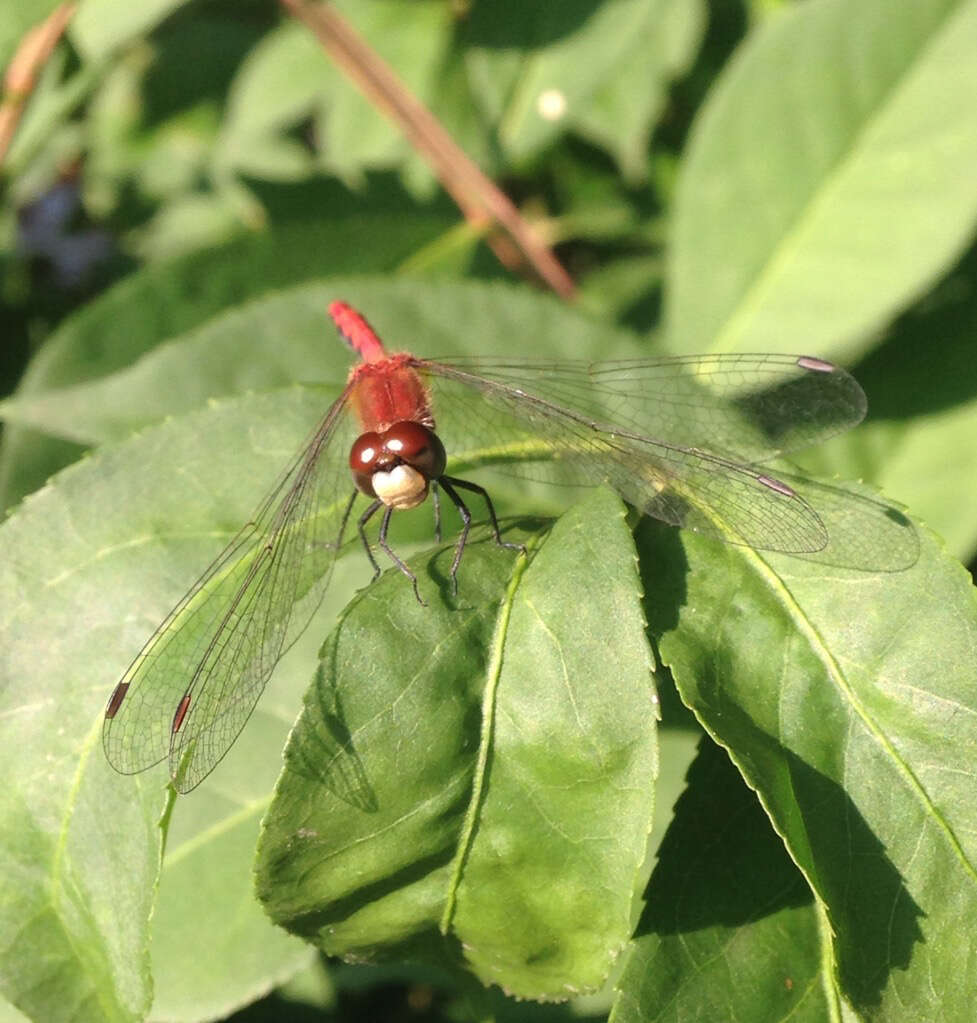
[
  {"x": 493, "y": 674},
  {"x": 819, "y": 647}
]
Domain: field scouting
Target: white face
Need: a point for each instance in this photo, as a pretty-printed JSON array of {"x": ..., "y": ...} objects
[{"x": 401, "y": 487}]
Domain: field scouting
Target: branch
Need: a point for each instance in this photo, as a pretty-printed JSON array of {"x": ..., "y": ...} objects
[
  {"x": 21, "y": 75},
  {"x": 481, "y": 202}
]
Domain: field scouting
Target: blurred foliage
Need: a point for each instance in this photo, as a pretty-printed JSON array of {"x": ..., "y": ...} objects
[
  {"x": 194, "y": 177},
  {"x": 227, "y": 120}
]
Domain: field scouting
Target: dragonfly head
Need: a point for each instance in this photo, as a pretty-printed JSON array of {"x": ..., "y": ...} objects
[{"x": 397, "y": 465}]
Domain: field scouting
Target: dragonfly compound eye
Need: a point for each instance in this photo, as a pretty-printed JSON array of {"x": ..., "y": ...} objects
[
  {"x": 418, "y": 447},
  {"x": 365, "y": 452},
  {"x": 363, "y": 458}
]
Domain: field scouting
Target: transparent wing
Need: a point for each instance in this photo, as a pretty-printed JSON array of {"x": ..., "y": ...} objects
[
  {"x": 194, "y": 685},
  {"x": 746, "y": 408},
  {"x": 680, "y": 439}
]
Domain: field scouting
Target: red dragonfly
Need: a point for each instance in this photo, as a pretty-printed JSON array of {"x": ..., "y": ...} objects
[{"x": 681, "y": 439}]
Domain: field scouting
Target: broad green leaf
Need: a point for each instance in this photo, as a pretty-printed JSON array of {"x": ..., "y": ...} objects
[
  {"x": 622, "y": 112},
  {"x": 620, "y": 285},
  {"x": 828, "y": 177},
  {"x": 212, "y": 956},
  {"x": 285, "y": 79},
  {"x": 757, "y": 10},
  {"x": 118, "y": 537},
  {"x": 151, "y": 126},
  {"x": 160, "y": 302},
  {"x": 930, "y": 463},
  {"x": 677, "y": 748},
  {"x": 922, "y": 388},
  {"x": 413, "y": 39},
  {"x": 88, "y": 566},
  {"x": 72, "y": 947},
  {"x": 163, "y": 301},
  {"x": 730, "y": 929},
  {"x": 101, "y": 26},
  {"x": 312, "y": 987},
  {"x": 288, "y": 337},
  {"x": 847, "y": 700},
  {"x": 534, "y": 66},
  {"x": 8, "y": 1014},
  {"x": 477, "y": 777},
  {"x": 186, "y": 223}
]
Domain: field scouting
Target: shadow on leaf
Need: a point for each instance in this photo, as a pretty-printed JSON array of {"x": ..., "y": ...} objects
[
  {"x": 866, "y": 533},
  {"x": 722, "y": 867},
  {"x": 324, "y": 751},
  {"x": 512, "y": 530}
]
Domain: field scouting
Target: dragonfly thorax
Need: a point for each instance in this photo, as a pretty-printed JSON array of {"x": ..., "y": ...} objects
[{"x": 397, "y": 465}]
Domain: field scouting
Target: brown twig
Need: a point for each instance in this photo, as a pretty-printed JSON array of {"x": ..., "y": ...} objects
[
  {"x": 481, "y": 202},
  {"x": 21, "y": 74}
]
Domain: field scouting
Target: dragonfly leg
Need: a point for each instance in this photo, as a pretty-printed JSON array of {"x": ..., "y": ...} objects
[
  {"x": 345, "y": 520},
  {"x": 436, "y": 498},
  {"x": 384, "y": 524},
  {"x": 364, "y": 519},
  {"x": 449, "y": 483}
]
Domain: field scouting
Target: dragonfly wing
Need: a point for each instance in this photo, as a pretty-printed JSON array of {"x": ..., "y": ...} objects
[
  {"x": 528, "y": 434},
  {"x": 747, "y": 408},
  {"x": 136, "y": 734},
  {"x": 193, "y": 686},
  {"x": 708, "y": 494}
]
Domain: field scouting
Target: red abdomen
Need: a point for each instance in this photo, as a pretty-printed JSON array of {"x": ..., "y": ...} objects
[{"x": 359, "y": 335}]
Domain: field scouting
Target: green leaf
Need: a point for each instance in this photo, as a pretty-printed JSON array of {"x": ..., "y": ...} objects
[
  {"x": 531, "y": 66},
  {"x": 8, "y": 1014},
  {"x": 489, "y": 792},
  {"x": 311, "y": 987},
  {"x": 284, "y": 80},
  {"x": 730, "y": 930},
  {"x": 413, "y": 39},
  {"x": 623, "y": 110},
  {"x": 213, "y": 949},
  {"x": 101, "y": 26},
  {"x": 918, "y": 441},
  {"x": 931, "y": 464},
  {"x": 287, "y": 337},
  {"x": 846, "y": 699},
  {"x": 88, "y": 566},
  {"x": 161, "y": 302},
  {"x": 828, "y": 178},
  {"x": 188, "y": 222}
]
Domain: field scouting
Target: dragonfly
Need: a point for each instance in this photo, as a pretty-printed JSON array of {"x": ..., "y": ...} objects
[{"x": 683, "y": 439}]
